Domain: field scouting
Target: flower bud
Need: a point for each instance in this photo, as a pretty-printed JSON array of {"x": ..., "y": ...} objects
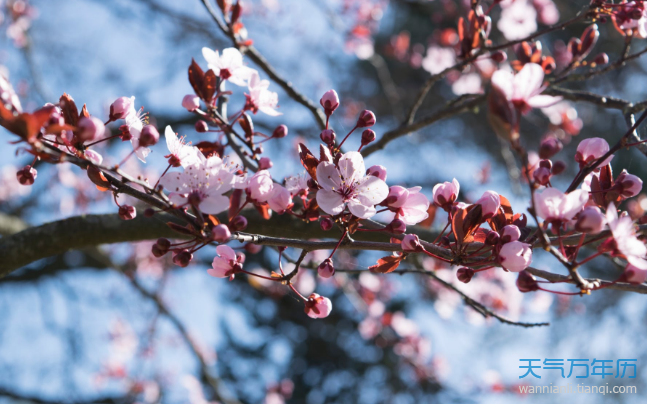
[
  {"x": 149, "y": 136},
  {"x": 90, "y": 129},
  {"x": 119, "y": 109},
  {"x": 329, "y": 102},
  {"x": 280, "y": 200},
  {"x": 558, "y": 167},
  {"x": 377, "y": 171},
  {"x": 490, "y": 203},
  {"x": 589, "y": 39},
  {"x": 465, "y": 274},
  {"x": 627, "y": 184},
  {"x": 124, "y": 133},
  {"x": 161, "y": 247},
  {"x": 201, "y": 126},
  {"x": 510, "y": 233},
  {"x": 397, "y": 226},
  {"x": 591, "y": 149},
  {"x": 265, "y": 163},
  {"x": 280, "y": 132},
  {"x": 635, "y": 275},
  {"x": 127, "y": 212},
  {"x": 27, "y": 175},
  {"x": 239, "y": 223},
  {"x": 492, "y": 238},
  {"x": 182, "y": 258},
  {"x": 318, "y": 306},
  {"x": 590, "y": 220},
  {"x": 397, "y": 197},
  {"x": 326, "y": 268},
  {"x": 526, "y": 282},
  {"x": 515, "y": 256},
  {"x": 191, "y": 102},
  {"x": 326, "y": 223},
  {"x": 328, "y": 136},
  {"x": 236, "y": 11},
  {"x": 366, "y": 119},
  {"x": 542, "y": 175},
  {"x": 546, "y": 164},
  {"x": 601, "y": 59},
  {"x": 498, "y": 57},
  {"x": 549, "y": 147},
  {"x": 411, "y": 243},
  {"x": 368, "y": 136},
  {"x": 220, "y": 233},
  {"x": 445, "y": 194}
]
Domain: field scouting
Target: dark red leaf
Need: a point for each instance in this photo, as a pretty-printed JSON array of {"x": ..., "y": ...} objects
[
  {"x": 196, "y": 78},
  {"x": 209, "y": 86},
  {"x": 386, "y": 264},
  {"x": 308, "y": 160},
  {"x": 69, "y": 109}
]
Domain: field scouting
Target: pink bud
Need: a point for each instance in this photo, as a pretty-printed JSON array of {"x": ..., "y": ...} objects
[
  {"x": 127, "y": 212},
  {"x": 628, "y": 185},
  {"x": 590, "y": 150},
  {"x": 558, "y": 167},
  {"x": 366, "y": 119},
  {"x": 191, "y": 102},
  {"x": 465, "y": 274},
  {"x": 326, "y": 223},
  {"x": 515, "y": 256},
  {"x": 368, "y": 136},
  {"x": 397, "y": 197},
  {"x": 635, "y": 275},
  {"x": 220, "y": 233},
  {"x": 239, "y": 223},
  {"x": 492, "y": 238},
  {"x": 377, "y": 171},
  {"x": 445, "y": 194},
  {"x": 329, "y": 102},
  {"x": 326, "y": 268},
  {"x": 397, "y": 226},
  {"x": 601, "y": 59},
  {"x": 280, "y": 200},
  {"x": 318, "y": 306},
  {"x": 182, "y": 258},
  {"x": 260, "y": 186},
  {"x": 526, "y": 282},
  {"x": 490, "y": 203},
  {"x": 411, "y": 243},
  {"x": 549, "y": 147},
  {"x": 542, "y": 175},
  {"x": 328, "y": 136},
  {"x": 265, "y": 163},
  {"x": 120, "y": 108},
  {"x": 590, "y": 220},
  {"x": 510, "y": 233},
  {"x": 149, "y": 136},
  {"x": 90, "y": 129},
  {"x": 161, "y": 247},
  {"x": 201, "y": 127},
  {"x": 280, "y": 132},
  {"x": 499, "y": 57},
  {"x": 27, "y": 175}
]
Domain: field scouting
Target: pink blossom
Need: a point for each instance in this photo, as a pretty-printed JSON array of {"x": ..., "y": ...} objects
[
  {"x": 411, "y": 206},
  {"x": 329, "y": 101},
  {"x": 92, "y": 156},
  {"x": 524, "y": 88},
  {"x": 590, "y": 220},
  {"x": 297, "y": 184},
  {"x": 201, "y": 185},
  {"x": 510, "y": 233},
  {"x": 260, "y": 186},
  {"x": 265, "y": 163},
  {"x": 227, "y": 263},
  {"x": 547, "y": 10},
  {"x": 326, "y": 268},
  {"x": 624, "y": 234},
  {"x": 438, "y": 59},
  {"x": 228, "y": 66},
  {"x": 377, "y": 171},
  {"x": 191, "y": 102},
  {"x": 490, "y": 203},
  {"x": 260, "y": 98},
  {"x": 446, "y": 193},
  {"x": 635, "y": 275},
  {"x": 180, "y": 154},
  {"x": 592, "y": 149},
  {"x": 628, "y": 185},
  {"x": 280, "y": 199},
  {"x": 554, "y": 205},
  {"x": 626, "y": 20},
  {"x": 346, "y": 183},
  {"x": 517, "y": 20},
  {"x": 318, "y": 306},
  {"x": 135, "y": 123},
  {"x": 469, "y": 83},
  {"x": 515, "y": 256}
]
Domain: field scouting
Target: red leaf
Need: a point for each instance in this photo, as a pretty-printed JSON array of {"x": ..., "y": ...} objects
[
  {"x": 308, "y": 160},
  {"x": 234, "y": 202},
  {"x": 196, "y": 78},
  {"x": 69, "y": 109},
  {"x": 25, "y": 125},
  {"x": 84, "y": 112},
  {"x": 480, "y": 235},
  {"x": 386, "y": 265},
  {"x": 209, "y": 85},
  {"x": 324, "y": 154},
  {"x": 97, "y": 177},
  {"x": 264, "y": 210},
  {"x": 246, "y": 123}
]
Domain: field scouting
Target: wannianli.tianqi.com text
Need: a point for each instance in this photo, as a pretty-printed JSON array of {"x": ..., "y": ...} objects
[{"x": 577, "y": 389}]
